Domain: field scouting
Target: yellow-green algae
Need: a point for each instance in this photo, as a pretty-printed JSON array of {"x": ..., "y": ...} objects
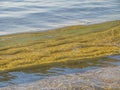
[{"x": 67, "y": 44}]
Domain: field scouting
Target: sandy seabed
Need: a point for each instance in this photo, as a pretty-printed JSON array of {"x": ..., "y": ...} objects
[{"x": 107, "y": 77}]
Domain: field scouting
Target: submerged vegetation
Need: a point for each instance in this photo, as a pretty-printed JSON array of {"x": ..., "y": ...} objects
[{"x": 62, "y": 45}]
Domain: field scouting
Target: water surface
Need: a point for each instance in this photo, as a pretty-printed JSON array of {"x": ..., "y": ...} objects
[
  {"x": 31, "y": 75},
  {"x": 36, "y": 15}
]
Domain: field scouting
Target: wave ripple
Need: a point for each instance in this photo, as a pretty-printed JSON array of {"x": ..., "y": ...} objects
[{"x": 36, "y": 15}]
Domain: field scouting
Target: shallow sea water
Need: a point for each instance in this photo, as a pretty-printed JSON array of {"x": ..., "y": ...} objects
[
  {"x": 36, "y": 15},
  {"x": 28, "y": 76}
]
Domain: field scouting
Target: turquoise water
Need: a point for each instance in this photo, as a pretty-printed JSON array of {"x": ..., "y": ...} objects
[{"x": 36, "y": 15}]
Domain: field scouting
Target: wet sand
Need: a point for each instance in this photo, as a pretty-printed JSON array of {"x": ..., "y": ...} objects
[{"x": 107, "y": 78}]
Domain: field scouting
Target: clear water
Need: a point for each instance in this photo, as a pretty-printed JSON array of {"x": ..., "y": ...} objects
[
  {"x": 36, "y": 15},
  {"x": 20, "y": 77}
]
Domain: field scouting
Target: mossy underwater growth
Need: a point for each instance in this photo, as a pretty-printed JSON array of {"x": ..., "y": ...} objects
[{"x": 67, "y": 44}]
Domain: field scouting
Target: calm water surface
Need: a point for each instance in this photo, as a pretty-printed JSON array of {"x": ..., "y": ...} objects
[{"x": 36, "y": 15}]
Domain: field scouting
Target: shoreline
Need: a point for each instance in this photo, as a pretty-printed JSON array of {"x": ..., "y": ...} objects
[{"x": 103, "y": 78}]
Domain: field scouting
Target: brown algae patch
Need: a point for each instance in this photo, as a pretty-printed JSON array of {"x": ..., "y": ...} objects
[{"x": 70, "y": 43}]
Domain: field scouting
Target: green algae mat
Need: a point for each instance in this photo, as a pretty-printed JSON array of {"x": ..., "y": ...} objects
[{"x": 73, "y": 43}]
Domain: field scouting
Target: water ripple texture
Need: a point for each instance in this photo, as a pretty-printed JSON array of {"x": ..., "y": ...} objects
[{"x": 37, "y": 15}]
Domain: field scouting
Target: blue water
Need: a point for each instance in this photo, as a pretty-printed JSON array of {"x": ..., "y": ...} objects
[{"x": 36, "y": 15}]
